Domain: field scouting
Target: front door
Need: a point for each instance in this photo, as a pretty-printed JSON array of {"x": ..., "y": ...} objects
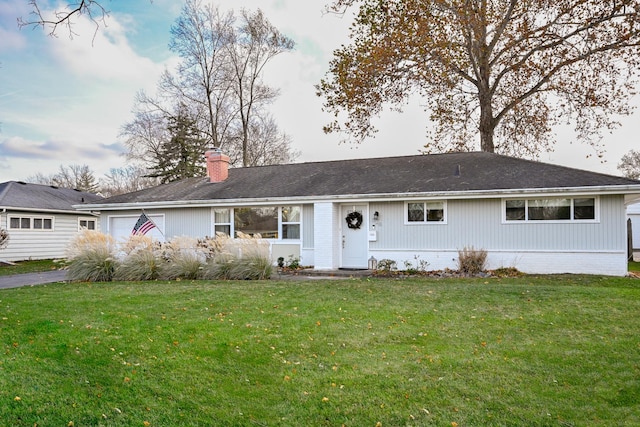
[{"x": 354, "y": 236}]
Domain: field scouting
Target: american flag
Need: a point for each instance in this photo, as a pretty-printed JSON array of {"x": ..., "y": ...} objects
[{"x": 143, "y": 225}]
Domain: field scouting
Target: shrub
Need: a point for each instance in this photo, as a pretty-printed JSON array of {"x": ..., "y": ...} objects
[
  {"x": 95, "y": 265},
  {"x": 229, "y": 267},
  {"x": 186, "y": 264},
  {"x": 253, "y": 267},
  {"x": 420, "y": 267},
  {"x": 138, "y": 242},
  {"x": 87, "y": 240},
  {"x": 211, "y": 247},
  {"x": 91, "y": 257},
  {"x": 387, "y": 265},
  {"x": 143, "y": 264},
  {"x": 219, "y": 268},
  {"x": 471, "y": 261}
]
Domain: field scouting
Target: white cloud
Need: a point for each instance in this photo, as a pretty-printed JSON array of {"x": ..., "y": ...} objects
[
  {"x": 110, "y": 57},
  {"x": 63, "y": 101}
]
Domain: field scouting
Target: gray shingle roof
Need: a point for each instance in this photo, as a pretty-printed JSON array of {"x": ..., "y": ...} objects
[
  {"x": 455, "y": 172},
  {"x": 15, "y": 194}
]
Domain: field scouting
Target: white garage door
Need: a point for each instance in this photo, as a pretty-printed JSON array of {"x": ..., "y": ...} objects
[{"x": 120, "y": 227}]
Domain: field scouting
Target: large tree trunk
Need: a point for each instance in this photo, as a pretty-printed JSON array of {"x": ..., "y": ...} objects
[{"x": 487, "y": 124}]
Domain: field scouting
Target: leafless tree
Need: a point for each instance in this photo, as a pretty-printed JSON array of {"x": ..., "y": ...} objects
[
  {"x": 630, "y": 164},
  {"x": 126, "y": 179},
  {"x": 253, "y": 46},
  {"x": 267, "y": 144},
  {"x": 200, "y": 36},
  {"x": 79, "y": 177},
  {"x": 219, "y": 82}
]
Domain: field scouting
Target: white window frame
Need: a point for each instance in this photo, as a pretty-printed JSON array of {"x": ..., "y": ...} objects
[
  {"x": 232, "y": 227},
  {"x": 425, "y": 204},
  {"x": 227, "y": 223},
  {"x": 281, "y": 223},
  {"x": 93, "y": 220},
  {"x": 32, "y": 219},
  {"x": 526, "y": 220}
]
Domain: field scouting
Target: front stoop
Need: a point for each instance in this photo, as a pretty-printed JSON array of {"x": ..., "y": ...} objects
[{"x": 310, "y": 273}]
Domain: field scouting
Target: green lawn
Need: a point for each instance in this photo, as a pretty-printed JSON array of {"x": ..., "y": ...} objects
[{"x": 534, "y": 351}]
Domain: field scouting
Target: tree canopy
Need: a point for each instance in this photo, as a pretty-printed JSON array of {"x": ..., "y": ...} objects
[
  {"x": 180, "y": 156},
  {"x": 219, "y": 84},
  {"x": 493, "y": 74},
  {"x": 630, "y": 164}
]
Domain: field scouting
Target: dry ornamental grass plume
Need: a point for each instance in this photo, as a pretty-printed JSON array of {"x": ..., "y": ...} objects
[
  {"x": 137, "y": 242},
  {"x": 94, "y": 256},
  {"x": 91, "y": 257},
  {"x": 88, "y": 240}
]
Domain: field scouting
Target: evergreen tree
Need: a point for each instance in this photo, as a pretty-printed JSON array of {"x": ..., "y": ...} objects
[{"x": 182, "y": 155}]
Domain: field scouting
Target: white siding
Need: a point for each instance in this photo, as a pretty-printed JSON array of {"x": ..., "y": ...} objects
[
  {"x": 307, "y": 227},
  {"x": 533, "y": 247},
  {"x": 479, "y": 223},
  {"x": 40, "y": 244},
  {"x": 533, "y": 262},
  {"x": 570, "y": 247},
  {"x": 326, "y": 254}
]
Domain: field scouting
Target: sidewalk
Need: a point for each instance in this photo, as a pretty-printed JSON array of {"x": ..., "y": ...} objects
[{"x": 30, "y": 279}]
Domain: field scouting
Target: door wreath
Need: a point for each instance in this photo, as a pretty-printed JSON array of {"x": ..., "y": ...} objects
[{"x": 354, "y": 220}]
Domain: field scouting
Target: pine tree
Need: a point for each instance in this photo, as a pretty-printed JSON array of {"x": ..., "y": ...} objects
[{"x": 181, "y": 156}]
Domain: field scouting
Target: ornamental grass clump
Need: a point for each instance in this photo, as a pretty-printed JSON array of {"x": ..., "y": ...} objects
[
  {"x": 91, "y": 257},
  {"x": 184, "y": 265},
  {"x": 244, "y": 258},
  {"x": 143, "y": 264},
  {"x": 140, "y": 259},
  {"x": 94, "y": 256},
  {"x": 471, "y": 261},
  {"x": 185, "y": 259},
  {"x": 220, "y": 267}
]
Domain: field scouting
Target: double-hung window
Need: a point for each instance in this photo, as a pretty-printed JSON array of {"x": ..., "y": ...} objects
[
  {"x": 222, "y": 221},
  {"x": 290, "y": 220},
  {"x": 551, "y": 209}
]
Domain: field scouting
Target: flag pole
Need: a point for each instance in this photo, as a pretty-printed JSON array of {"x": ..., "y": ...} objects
[{"x": 154, "y": 223}]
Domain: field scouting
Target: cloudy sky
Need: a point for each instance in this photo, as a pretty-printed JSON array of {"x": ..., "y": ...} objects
[{"x": 63, "y": 100}]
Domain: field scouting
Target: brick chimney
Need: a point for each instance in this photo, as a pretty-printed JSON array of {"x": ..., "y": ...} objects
[{"x": 217, "y": 165}]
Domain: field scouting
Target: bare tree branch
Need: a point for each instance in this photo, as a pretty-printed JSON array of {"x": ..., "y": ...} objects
[{"x": 92, "y": 9}]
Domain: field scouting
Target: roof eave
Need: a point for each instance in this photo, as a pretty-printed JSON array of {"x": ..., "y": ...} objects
[
  {"x": 474, "y": 194},
  {"x": 49, "y": 211}
]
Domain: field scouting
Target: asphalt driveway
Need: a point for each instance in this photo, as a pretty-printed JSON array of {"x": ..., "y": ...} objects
[{"x": 30, "y": 279}]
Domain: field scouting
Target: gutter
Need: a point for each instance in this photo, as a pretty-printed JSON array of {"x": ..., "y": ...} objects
[
  {"x": 440, "y": 195},
  {"x": 50, "y": 211}
]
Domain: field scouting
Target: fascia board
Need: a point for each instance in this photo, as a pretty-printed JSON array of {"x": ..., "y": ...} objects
[
  {"x": 478, "y": 194},
  {"x": 49, "y": 211}
]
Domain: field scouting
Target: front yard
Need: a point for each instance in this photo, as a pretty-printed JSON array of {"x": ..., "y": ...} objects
[{"x": 536, "y": 351}]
